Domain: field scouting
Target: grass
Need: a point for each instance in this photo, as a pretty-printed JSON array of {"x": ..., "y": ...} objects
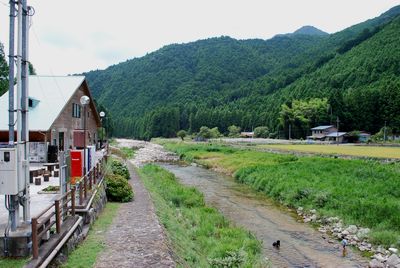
[
  {"x": 363, "y": 151},
  {"x": 86, "y": 253},
  {"x": 13, "y": 262},
  {"x": 365, "y": 193},
  {"x": 200, "y": 235},
  {"x": 128, "y": 152}
]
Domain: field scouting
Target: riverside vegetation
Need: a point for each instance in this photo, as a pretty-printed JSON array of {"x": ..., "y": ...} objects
[
  {"x": 200, "y": 235},
  {"x": 360, "y": 192}
]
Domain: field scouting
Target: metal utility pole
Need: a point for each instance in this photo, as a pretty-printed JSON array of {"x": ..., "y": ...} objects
[
  {"x": 337, "y": 131},
  {"x": 12, "y": 199},
  {"x": 24, "y": 111}
]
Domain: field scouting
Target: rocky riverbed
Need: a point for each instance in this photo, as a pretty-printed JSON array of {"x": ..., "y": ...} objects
[
  {"x": 147, "y": 152},
  {"x": 333, "y": 228}
]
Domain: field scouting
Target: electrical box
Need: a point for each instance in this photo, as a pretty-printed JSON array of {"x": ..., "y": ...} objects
[{"x": 8, "y": 171}]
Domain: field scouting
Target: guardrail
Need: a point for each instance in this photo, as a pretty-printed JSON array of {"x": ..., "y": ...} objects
[{"x": 65, "y": 206}]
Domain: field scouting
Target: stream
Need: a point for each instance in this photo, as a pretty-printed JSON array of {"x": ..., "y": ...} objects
[{"x": 301, "y": 245}]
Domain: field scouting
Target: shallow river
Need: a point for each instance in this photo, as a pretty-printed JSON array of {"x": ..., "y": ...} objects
[{"x": 301, "y": 246}]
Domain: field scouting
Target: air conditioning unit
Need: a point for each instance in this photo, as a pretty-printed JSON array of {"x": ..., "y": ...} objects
[{"x": 8, "y": 172}]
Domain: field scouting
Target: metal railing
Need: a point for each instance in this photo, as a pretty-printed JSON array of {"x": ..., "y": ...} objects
[{"x": 65, "y": 206}]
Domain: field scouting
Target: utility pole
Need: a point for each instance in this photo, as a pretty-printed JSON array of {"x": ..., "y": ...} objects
[
  {"x": 290, "y": 131},
  {"x": 337, "y": 131},
  {"x": 24, "y": 111},
  {"x": 13, "y": 209},
  {"x": 384, "y": 133}
]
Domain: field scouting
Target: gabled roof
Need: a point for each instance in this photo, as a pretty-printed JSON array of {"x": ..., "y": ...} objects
[
  {"x": 50, "y": 95},
  {"x": 321, "y": 127}
]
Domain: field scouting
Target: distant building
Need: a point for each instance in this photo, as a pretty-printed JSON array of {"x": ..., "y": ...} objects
[
  {"x": 364, "y": 137},
  {"x": 336, "y": 136},
  {"x": 247, "y": 134},
  {"x": 55, "y": 112},
  {"x": 320, "y": 132}
]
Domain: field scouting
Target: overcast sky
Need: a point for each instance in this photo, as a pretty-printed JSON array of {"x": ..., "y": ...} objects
[{"x": 80, "y": 35}]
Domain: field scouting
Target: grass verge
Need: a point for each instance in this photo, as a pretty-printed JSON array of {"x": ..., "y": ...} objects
[
  {"x": 13, "y": 262},
  {"x": 200, "y": 235},
  {"x": 86, "y": 253},
  {"x": 364, "y": 193}
]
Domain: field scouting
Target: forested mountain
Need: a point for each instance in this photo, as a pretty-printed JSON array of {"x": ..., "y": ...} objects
[{"x": 219, "y": 82}]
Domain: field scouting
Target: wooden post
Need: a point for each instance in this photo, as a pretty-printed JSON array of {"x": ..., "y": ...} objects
[
  {"x": 90, "y": 179},
  {"x": 73, "y": 201},
  {"x": 85, "y": 185},
  {"x": 35, "y": 242},
  {"x": 80, "y": 193},
  {"x": 58, "y": 218}
]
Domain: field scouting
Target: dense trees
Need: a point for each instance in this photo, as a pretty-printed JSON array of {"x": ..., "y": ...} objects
[{"x": 221, "y": 82}]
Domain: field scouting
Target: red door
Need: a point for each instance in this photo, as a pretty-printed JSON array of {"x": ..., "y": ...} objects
[{"x": 76, "y": 165}]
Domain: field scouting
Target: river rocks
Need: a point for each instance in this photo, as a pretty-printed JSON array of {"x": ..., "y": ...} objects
[
  {"x": 363, "y": 233},
  {"x": 376, "y": 264},
  {"x": 393, "y": 261},
  {"x": 393, "y": 250},
  {"x": 352, "y": 229}
]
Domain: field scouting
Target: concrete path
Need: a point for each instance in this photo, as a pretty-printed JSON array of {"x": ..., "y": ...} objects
[{"x": 136, "y": 238}]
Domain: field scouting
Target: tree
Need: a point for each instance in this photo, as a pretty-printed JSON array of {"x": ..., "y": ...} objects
[
  {"x": 301, "y": 115},
  {"x": 204, "y": 133},
  {"x": 3, "y": 71},
  {"x": 234, "y": 131},
  {"x": 261, "y": 132},
  {"x": 181, "y": 134},
  {"x": 215, "y": 133}
]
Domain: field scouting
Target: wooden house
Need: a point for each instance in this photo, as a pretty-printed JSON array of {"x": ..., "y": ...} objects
[{"x": 56, "y": 116}]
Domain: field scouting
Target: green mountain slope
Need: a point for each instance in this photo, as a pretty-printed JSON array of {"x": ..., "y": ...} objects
[{"x": 223, "y": 81}]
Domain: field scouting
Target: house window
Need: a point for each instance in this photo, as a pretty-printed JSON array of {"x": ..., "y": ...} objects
[{"x": 76, "y": 110}]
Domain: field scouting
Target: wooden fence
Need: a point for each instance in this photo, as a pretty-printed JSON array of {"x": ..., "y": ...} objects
[{"x": 65, "y": 205}]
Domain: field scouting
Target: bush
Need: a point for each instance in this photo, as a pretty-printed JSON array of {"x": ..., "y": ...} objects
[
  {"x": 118, "y": 189},
  {"x": 215, "y": 133},
  {"x": 261, "y": 132},
  {"x": 234, "y": 131},
  {"x": 119, "y": 168},
  {"x": 204, "y": 132}
]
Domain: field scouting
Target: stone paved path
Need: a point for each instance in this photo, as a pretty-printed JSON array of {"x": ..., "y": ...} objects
[{"x": 135, "y": 238}]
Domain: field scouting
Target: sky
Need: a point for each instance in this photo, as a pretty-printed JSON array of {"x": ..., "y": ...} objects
[{"x": 74, "y": 36}]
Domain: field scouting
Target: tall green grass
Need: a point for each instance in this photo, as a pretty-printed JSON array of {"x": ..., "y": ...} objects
[
  {"x": 200, "y": 235},
  {"x": 365, "y": 193}
]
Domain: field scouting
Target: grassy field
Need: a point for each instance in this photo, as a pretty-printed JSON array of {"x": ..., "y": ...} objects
[
  {"x": 365, "y": 193},
  {"x": 200, "y": 235},
  {"x": 86, "y": 253},
  {"x": 364, "y": 151}
]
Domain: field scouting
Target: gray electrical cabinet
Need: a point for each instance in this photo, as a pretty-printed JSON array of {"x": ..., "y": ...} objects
[{"x": 8, "y": 172}]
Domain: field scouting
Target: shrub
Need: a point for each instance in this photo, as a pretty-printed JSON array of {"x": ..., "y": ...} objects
[
  {"x": 119, "y": 168},
  {"x": 215, "y": 133},
  {"x": 118, "y": 189},
  {"x": 234, "y": 131},
  {"x": 204, "y": 133},
  {"x": 261, "y": 132}
]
